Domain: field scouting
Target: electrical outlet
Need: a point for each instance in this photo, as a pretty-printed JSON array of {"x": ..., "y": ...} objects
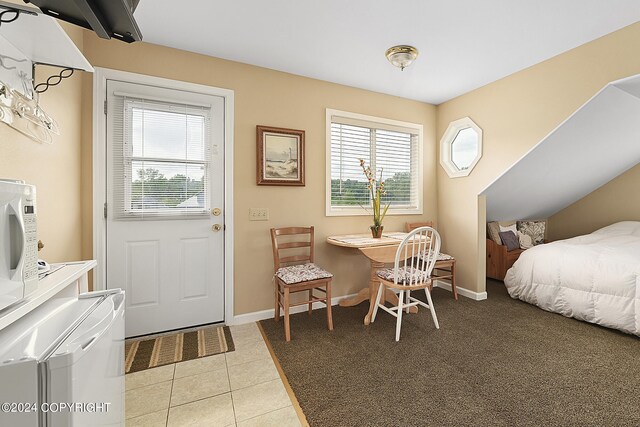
[{"x": 258, "y": 214}]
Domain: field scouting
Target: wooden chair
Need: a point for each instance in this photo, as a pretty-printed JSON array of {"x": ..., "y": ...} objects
[
  {"x": 409, "y": 273},
  {"x": 297, "y": 273},
  {"x": 445, "y": 268}
]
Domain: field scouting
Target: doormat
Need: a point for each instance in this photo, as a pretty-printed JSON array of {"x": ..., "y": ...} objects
[{"x": 141, "y": 354}]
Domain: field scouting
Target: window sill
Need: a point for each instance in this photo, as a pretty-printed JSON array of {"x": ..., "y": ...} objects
[{"x": 363, "y": 212}]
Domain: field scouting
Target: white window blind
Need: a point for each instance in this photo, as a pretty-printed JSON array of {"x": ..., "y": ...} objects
[
  {"x": 161, "y": 158},
  {"x": 392, "y": 149}
]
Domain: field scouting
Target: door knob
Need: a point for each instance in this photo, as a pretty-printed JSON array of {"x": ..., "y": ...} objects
[
  {"x": 216, "y": 211},
  {"x": 216, "y": 227}
]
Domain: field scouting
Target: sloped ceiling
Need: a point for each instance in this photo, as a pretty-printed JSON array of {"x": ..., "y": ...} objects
[{"x": 594, "y": 145}]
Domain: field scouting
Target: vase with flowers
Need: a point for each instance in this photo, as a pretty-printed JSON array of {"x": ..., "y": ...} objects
[{"x": 376, "y": 188}]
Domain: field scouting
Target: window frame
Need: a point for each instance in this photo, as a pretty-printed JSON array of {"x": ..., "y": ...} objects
[
  {"x": 358, "y": 210},
  {"x": 446, "y": 147},
  {"x": 128, "y": 158}
]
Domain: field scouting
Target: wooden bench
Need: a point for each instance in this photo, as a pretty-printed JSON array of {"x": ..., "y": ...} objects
[{"x": 499, "y": 260}]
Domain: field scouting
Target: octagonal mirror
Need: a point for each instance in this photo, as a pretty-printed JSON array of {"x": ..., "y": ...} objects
[{"x": 460, "y": 147}]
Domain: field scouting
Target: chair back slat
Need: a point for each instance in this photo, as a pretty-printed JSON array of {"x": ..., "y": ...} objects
[
  {"x": 284, "y": 231},
  {"x": 303, "y": 240},
  {"x": 416, "y": 256},
  {"x": 410, "y": 226},
  {"x": 294, "y": 258},
  {"x": 290, "y": 245}
]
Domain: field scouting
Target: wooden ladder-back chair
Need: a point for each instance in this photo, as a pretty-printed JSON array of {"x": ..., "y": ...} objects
[
  {"x": 415, "y": 260},
  {"x": 297, "y": 273},
  {"x": 445, "y": 268}
]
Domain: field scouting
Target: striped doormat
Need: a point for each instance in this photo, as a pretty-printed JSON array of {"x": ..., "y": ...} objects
[{"x": 144, "y": 353}]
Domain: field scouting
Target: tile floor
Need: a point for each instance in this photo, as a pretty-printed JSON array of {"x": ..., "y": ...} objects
[{"x": 241, "y": 388}]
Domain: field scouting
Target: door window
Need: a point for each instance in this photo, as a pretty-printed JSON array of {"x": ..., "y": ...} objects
[{"x": 161, "y": 159}]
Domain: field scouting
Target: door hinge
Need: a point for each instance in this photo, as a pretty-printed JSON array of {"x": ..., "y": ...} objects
[
  {"x": 105, "y": 211},
  {"x": 105, "y": 107}
]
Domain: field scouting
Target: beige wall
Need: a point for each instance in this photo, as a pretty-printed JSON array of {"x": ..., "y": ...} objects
[
  {"x": 54, "y": 169},
  {"x": 266, "y": 97},
  {"x": 615, "y": 201},
  {"x": 515, "y": 113}
]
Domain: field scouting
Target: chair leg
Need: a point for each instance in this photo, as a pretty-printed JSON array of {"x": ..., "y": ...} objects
[
  {"x": 375, "y": 307},
  {"x": 277, "y": 310},
  {"x": 287, "y": 330},
  {"x": 310, "y": 303},
  {"x": 433, "y": 310},
  {"x": 453, "y": 282},
  {"x": 408, "y": 300},
  {"x": 399, "y": 319},
  {"x": 328, "y": 303}
]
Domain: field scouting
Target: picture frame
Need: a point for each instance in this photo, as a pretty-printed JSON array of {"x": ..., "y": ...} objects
[{"x": 280, "y": 156}]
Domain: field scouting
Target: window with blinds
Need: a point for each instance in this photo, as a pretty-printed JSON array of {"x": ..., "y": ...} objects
[
  {"x": 389, "y": 147},
  {"x": 161, "y": 158}
]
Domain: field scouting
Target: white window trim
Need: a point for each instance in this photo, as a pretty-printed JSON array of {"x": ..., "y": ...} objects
[
  {"x": 447, "y": 141},
  {"x": 162, "y": 214},
  {"x": 357, "y": 210},
  {"x": 100, "y": 77}
]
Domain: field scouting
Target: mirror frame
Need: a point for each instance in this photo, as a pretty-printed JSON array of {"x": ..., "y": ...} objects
[{"x": 447, "y": 141}]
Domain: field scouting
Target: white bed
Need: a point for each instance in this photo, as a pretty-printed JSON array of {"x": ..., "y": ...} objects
[{"x": 595, "y": 277}]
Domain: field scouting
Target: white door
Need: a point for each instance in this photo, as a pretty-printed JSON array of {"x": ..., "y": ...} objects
[{"x": 165, "y": 213}]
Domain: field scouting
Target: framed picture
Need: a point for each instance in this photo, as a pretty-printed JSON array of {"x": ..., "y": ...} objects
[{"x": 280, "y": 156}]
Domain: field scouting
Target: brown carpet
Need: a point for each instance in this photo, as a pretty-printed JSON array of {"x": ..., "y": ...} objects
[
  {"x": 499, "y": 362},
  {"x": 145, "y": 353}
]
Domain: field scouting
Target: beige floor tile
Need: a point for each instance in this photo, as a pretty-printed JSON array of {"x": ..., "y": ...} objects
[
  {"x": 254, "y": 350},
  {"x": 251, "y": 373},
  {"x": 214, "y": 411},
  {"x": 196, "y": 387},
  {"x": 149, "y": 376},
  {"x": 259, "y": 399},
  {"x": 246, "y": 332},
  {"x": 200, "y": 365},
  {"x": 147, "y": 399},
  {"x": 246, "y": 341},
  {"x": 285, "y": 417},
  {"x": 155, "y": 419}
]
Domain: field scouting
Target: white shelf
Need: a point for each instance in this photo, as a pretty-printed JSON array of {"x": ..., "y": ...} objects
[
  {"x": 49, "y": 287},
  {"x": 41, "y": 39}
]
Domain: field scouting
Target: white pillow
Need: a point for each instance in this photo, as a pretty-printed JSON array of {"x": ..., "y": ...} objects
[
  {"x": 512, "y": 227},
  {"x": 525, "y": 240}
]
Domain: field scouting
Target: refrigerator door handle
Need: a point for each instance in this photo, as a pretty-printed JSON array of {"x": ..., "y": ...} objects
[
  {"x": 88, "y": 343},
  {"x": 98, "y": 330}
]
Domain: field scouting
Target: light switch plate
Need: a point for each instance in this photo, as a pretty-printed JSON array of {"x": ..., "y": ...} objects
[{"x": 258, "y": 214}]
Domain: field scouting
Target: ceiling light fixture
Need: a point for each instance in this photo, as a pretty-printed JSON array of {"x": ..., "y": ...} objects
[{"x": 401, "y": 56}]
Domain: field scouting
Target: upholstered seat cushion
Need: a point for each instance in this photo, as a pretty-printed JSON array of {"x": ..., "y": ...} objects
[
  {"x": 441, "y": 256},
  {"x": 301, "y": 273},
  {"x": 406, "y": 274}
]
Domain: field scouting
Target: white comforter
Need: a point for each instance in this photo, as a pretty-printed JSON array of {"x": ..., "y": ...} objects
[{"x": 595, "y": 277}]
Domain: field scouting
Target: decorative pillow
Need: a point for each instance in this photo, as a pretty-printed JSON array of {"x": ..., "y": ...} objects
[
  {"x": 406, "y": 275},
  {"x": 510, "y": 240},
  {"x": 525, "y": 241},
  {"x": 301, "y": 273},
  {"x": 493, "y": 231},
  {"x": 535, "y": 229},
  {"x": 510, "y": 227}
]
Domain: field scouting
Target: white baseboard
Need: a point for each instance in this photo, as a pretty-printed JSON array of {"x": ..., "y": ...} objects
[
  {"x": 268, "y": 314},
  {"x": 476, "y": 296}
]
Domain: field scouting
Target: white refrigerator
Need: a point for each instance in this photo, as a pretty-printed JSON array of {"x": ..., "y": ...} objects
[{"x": 63, "y": 363}]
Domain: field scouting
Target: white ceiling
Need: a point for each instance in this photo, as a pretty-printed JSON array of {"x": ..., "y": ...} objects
[
  {"x": 464, "y": 44},
  {"x": 594, "y": 145}
]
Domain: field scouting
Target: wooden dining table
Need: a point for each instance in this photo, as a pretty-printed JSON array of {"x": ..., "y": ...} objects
[
  {"x": 382, "y": 251},
  {"x": 379, "y": 251}
]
